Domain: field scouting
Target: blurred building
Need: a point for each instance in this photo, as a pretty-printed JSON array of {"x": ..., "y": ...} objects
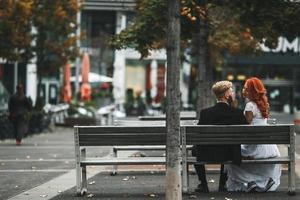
[
  {"x": 10, "y": 75},
  {"x": 279, "y": 68},
  {"x": 99, "y": 20}
]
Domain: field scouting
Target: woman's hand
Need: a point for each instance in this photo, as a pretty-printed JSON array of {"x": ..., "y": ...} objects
[{"x": 249, "y": 116}]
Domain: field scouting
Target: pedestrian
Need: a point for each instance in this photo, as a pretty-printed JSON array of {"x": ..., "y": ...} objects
[{"x": 19, "y": 107}]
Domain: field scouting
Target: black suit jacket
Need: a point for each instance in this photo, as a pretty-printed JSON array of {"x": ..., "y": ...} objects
[{"x": 220, "y": 114}]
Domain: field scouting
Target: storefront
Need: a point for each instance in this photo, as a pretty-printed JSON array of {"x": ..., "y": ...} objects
[
  {"x": 279, "y": 69},
  {"x": 147, "y": 77},
  {"x": 97, "y": 27}
]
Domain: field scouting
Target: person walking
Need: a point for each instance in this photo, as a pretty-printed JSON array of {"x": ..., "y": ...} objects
[{"x": 19, "y": 107}]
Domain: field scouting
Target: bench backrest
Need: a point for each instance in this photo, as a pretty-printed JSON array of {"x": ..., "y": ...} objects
[
  {"x": 120, "y": 135},
  {"x": 191, "y": 134},
  {"x": 238, "y": 134}
]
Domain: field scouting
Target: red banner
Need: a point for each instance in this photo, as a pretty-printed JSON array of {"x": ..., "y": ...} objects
[{"x": 160, "y": 82}]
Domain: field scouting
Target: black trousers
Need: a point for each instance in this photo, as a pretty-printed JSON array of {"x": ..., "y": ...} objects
[
  {"x": 20, "y": 128},
  {"x": 211, "y": 153},
  {"x": 200, "y": 170}
]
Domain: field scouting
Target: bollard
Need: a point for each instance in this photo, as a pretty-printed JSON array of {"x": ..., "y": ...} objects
[
  {"x": 297, "y": 121},
  {"x": 110, "y": 119}
]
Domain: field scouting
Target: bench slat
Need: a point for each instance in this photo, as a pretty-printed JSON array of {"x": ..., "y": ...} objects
[
  {"x": 116, "y": 142},
  {"x": 110, "y": 141},
  {"x": 98, "y": 130},
  {"x": 265, "y": 137},
  {"x": 124, "y": 161},
  {"x": 281, "y": 160},
  {"x": 237, "y": 129},
  {"x": 123, "y": 139},
  {"x": 237, "y": 134},
  {"x": 230, "y": 142},
  {"x": 82, "y": 136},
  {"x": 162, "y": 160},
  {"x": 140, "y": 147},
  {"x": 216, "y": 140},
  {"x": 143, "y": 147}
]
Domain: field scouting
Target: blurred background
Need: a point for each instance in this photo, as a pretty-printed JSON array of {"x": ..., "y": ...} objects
[{"x": 48, "y": 58}]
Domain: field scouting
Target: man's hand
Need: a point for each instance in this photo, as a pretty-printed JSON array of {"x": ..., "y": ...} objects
[{"x": 234, "y": 103}]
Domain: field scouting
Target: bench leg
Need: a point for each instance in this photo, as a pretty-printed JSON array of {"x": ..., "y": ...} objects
[
  {"x": 78, "y": 180},
  {"x": 81, "y": 185},
  {"x": 115, "y": 167},
  {"x": 184, "y": 165},
  {"x": 291, "y": 152},
  {"x": 186, "y": 180},
  {"x": 78, "y": 170},
  {"x": 292, "y": 186},
  {"x": 84, "y": 180},
  {"x": 185, "y": 177}
]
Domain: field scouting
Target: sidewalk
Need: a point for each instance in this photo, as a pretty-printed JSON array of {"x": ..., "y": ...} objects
[
  {"x": 41, "y": 158},
  {"x": 140, "y": 182},
  {"x": 147, "y": 185}
]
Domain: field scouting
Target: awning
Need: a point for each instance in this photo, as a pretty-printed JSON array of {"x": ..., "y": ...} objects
[
  {"x": 120, "y": 5},
  {"x": 265, "y": 59},
  {"x": 94, "y": 78}
]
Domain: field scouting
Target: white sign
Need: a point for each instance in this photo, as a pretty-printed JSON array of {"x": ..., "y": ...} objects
[
  {"x": 3, "y": 60},
  {"x": 284, "y": 45},
  {"x": 91, "y": 51}
]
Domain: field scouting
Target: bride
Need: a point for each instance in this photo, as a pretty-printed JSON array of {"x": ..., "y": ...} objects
[{"x": 255, "y": 177}]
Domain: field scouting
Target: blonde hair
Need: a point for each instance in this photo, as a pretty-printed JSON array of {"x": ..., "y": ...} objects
[{"x": 219, "y": 88}]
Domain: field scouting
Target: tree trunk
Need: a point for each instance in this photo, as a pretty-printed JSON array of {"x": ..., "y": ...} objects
[
  {"x": 39, "y": 100},
  {"x": 39, "y": 80},
  {"x": 173, "y": 178},
  {"x": 202, "y": 62},
  {"x": 209, "y": 82}
]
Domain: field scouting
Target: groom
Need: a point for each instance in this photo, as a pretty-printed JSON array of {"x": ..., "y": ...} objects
[{"x": 220, "y": 114}]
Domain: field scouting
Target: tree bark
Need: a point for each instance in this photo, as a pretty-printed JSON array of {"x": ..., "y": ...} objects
[
  {"x": 173, "y": 178},
  {"x": 203, "y": 88}
]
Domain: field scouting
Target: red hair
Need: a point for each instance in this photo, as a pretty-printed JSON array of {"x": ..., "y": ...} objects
[{"x": 258, "y": 94}]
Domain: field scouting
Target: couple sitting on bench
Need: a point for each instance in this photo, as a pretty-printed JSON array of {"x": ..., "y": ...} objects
[{"x": 238, "y": 177}]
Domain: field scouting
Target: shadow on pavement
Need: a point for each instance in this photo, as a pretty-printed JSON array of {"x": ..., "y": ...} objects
[{"x": 150, "y": 185}]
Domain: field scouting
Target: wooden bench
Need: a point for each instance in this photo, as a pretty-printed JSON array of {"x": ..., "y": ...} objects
[
  {"x": 190, "y": 135},
  {"x": 110, "y": 136},
  {"x": 241, "y": 134}
]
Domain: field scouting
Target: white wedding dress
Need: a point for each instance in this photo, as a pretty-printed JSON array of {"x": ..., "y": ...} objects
[{"x": 240, "y": 176}]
